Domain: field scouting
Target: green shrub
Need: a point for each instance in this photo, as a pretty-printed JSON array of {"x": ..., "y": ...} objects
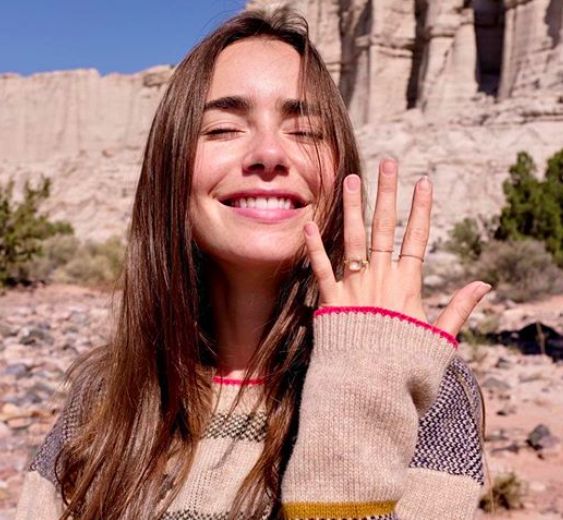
[
  {"x": 465, "y": 240},
  {"x": 57, "y": 251},
  {"x": 93, "y": 264},
  {"x": 534, "y": 209},
  {"x": 23, "y": 229},
  {"x": 520, "y": 270}
]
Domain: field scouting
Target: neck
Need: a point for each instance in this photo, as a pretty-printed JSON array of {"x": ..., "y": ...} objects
[{"x": 242, "y": 303}]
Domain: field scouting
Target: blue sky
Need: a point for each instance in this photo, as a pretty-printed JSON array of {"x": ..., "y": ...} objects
[{"x": 111, "y": 36}]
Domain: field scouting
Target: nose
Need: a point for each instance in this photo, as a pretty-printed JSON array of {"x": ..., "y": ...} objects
[{"x": 266, "y": 156}]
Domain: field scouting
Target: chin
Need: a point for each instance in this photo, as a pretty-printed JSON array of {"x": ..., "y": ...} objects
[{"x": 248, "y": 257}]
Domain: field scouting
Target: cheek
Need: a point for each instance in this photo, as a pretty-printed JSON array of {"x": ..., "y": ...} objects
[{"x": 209, "y": 168}]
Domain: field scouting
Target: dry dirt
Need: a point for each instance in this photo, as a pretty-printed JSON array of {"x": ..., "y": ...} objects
[{"x": 42, "y": 332}]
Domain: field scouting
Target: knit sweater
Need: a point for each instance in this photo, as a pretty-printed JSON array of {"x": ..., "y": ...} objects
[{"x": 388, "y": 430}]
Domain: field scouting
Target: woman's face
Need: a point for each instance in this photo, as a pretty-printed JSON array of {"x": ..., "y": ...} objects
[{"x": 257, "y": 179}]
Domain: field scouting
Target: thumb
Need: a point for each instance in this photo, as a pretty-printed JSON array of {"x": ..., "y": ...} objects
[{"x": 461, "y": 306}]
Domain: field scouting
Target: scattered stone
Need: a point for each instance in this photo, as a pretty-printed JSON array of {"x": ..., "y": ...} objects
[
  {"x": 513, "y": 447},
  {"x": 496, "y": 436},
  {"x": 5, "y": 431},
  {"x": 434, "y": 281},
  {"x": 35, "y": 335},
  {"x": 7, "y": 330},
  {"x": 507, "y": 409},
  {"x": 493, "y": 383},
  {"x": 503, "y": 363},
  {"x": 541, "y": 438},
  {"x": 527, "y": 378},
  {"x": 18, "y": 370}
]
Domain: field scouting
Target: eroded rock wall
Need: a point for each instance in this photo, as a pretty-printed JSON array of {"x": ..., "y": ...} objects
[{"x": 452, "y": 88}]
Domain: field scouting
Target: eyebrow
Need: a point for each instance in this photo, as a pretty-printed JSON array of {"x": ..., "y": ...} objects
[
  {"x": 229, "y": 103},
  {"x": 289, "y": 107}
]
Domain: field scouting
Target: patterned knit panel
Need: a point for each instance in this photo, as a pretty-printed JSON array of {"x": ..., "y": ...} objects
[
  {"x": 45, "y": 460},
  {"x": 191, "y": 514},
  {"x": 247, "y": 427},
  {"x": 448, "y": 435}
]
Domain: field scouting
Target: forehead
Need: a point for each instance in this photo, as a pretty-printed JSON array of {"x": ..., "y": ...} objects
[{"x": 261, "y": 68}]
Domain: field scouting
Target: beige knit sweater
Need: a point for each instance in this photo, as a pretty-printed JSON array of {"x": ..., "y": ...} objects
[{"x": 388, "y": 430}]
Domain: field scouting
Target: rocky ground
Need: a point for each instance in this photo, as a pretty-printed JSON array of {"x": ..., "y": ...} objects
[{"x": 43, "y": 331}]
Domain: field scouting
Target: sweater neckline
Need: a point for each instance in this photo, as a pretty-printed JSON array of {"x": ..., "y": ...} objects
[{"x": 231, "y": 381}]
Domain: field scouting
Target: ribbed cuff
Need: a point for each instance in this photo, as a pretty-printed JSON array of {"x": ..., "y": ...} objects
[{"x": 390, "y": 313}]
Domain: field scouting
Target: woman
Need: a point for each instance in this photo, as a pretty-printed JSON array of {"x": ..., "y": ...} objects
[{"x": 245, "y": 377}]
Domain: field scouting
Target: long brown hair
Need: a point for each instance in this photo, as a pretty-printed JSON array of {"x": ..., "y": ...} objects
[{"x": 147, "y": 395}]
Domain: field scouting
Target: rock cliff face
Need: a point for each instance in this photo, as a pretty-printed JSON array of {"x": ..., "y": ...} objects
[
  {"x": 452, "y": 88},
  {"x": 84, "y": 131},
  {"x": 443, "y": 57}
]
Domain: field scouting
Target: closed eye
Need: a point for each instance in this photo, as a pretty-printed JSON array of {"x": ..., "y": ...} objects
[
  {"x": 222, "y": 132},
  {"x": 308, "y": 134}
]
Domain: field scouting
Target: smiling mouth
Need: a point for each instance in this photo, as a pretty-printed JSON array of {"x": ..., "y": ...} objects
[{"x": 284, "y": 202}]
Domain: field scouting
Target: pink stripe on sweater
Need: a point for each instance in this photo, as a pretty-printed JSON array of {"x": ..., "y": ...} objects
[
  {"x": 392, "y": 314},
  {"x": 238, "y": 382}
]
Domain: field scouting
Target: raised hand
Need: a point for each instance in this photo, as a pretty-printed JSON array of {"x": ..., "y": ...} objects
[{"x": 381, "y": 281}]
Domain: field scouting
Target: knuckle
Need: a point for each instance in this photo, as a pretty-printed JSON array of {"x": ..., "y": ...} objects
[
  {"x": 461, "y": 310},
  {"x": 384, "y": 224},
  {"x": 324, "y": 274},
  {"x": 355, "y": 243},
  {"x": 417, "y": 234},
  {"x": 386, "y": 186}
]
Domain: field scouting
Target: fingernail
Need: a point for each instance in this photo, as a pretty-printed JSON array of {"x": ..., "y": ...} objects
[
  {"x": 388, "y": 167},
  {"x": 482, "y": 289},
  {"x": 309, "y": 229},
  {"x": 352, "y": 183},
  {"x": 424, "y": 183}
]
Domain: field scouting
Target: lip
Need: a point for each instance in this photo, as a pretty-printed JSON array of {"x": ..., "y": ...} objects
[{"x": 268, "y": 216}]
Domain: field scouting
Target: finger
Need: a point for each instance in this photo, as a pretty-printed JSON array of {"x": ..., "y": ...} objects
[
  {"x": 418, "y": 228},
  {"x": 385, "y": 215},
  {"x": 354, "y": 229},
  {"x": 320, "y": 263},
  {"x": 461, "y": 306}
]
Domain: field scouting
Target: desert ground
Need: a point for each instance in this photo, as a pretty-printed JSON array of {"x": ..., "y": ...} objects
[{"x": 43, "y": 330}]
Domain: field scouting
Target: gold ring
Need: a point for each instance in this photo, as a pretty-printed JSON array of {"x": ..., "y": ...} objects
[
  {"x": 413, "y": 256},
  {"x": 355, "y": 264}
]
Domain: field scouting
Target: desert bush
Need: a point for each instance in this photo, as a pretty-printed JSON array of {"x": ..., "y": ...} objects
[
  {"x": 56, "y": 252},
  {"x": 520, "y": 250},
  {"x": 93, "y": 263},
  {"x": 23, "y": 229},
  {"x": 507, "y": 492},
  {"x": 465, "y": 240},
  {"x": 519, "y": 270},
  {"x": 534, "y": 208}
]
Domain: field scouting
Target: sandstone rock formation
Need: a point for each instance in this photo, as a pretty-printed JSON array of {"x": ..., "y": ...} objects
[{"x": 452, "y": 88}]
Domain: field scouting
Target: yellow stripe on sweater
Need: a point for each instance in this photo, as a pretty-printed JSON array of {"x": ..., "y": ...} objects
[{"x": 295, "y": 510}]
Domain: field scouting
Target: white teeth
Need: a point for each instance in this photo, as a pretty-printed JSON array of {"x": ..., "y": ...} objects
[{"x": 263, "y": 203}]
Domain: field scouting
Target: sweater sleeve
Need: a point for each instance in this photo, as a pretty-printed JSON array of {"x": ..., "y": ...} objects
[
  {"x": 445, "y": 475},
  {"x": 40, "y": 497},
  {"x": 373, "y": 375}
]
